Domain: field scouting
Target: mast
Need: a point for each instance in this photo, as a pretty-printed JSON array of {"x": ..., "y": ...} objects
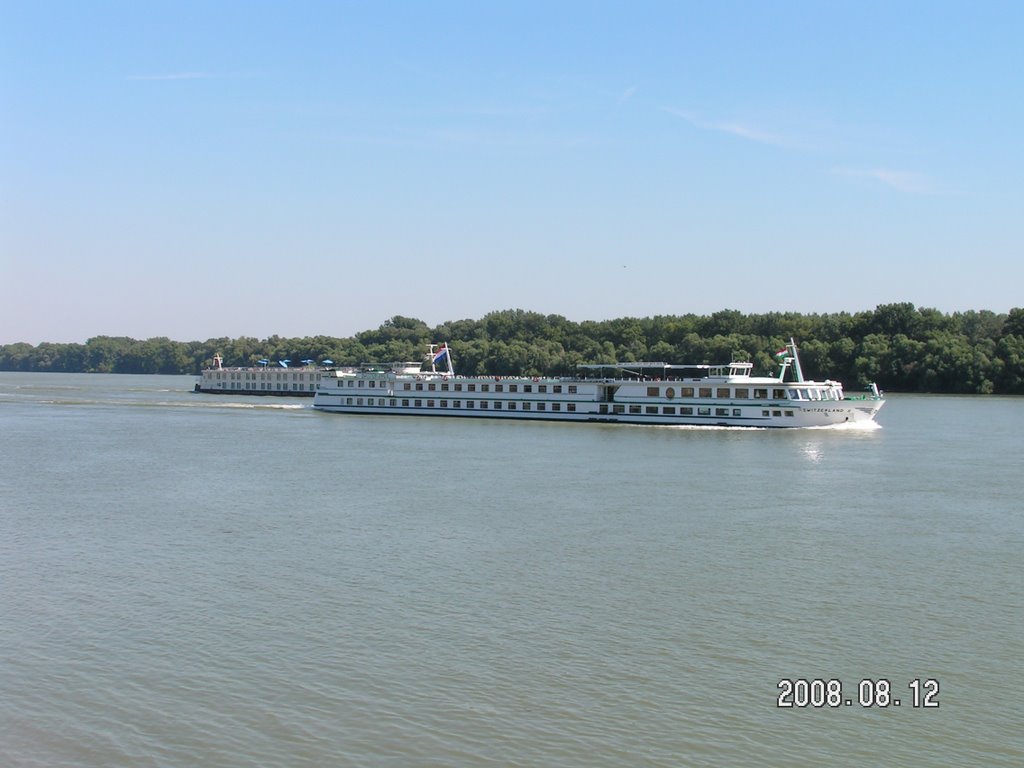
[
  {"x": 796, "y": 360},
  {"x": 789, "y": 355},
  {"x": 436, "y": 354}
]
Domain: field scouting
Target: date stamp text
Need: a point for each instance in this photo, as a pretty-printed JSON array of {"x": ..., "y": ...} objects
[{"x": 819, "y": 693}]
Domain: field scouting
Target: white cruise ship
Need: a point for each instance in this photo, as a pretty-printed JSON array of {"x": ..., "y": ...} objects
[
  {"x": 260, "y": 380},
  {"x": 626, "y": 393}
]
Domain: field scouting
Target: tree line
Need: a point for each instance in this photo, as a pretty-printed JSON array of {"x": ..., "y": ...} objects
[{"x": 901, "y": 347}]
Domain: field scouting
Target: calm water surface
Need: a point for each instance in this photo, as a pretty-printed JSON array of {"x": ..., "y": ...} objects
[{"x": 228, "y": 581}]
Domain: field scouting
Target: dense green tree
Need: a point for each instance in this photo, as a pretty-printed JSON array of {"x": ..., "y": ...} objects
[
  {"x": 1014, "y": 323},
  {"x": 900, "y": 347}
]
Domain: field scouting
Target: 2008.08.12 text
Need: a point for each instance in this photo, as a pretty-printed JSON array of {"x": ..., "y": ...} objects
[{"x": 817, "y": 693}]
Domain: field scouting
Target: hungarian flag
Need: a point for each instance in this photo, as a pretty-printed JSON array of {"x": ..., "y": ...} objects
[{"x": 782, "y": 352}]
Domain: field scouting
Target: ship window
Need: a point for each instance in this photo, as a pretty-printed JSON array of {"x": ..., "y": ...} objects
[
  {"x": 760, "y": 394},
  {"x": 513, "y": 387},
  {"x": 372, "y": 383},
  {"x": 443, "y": 403},
  {"x": 405, "y": 403},
  {"x": 557, "y": 389},
  {"x": 556, "y": 406},
  {"x": 652, "y": 391},
  {"x": 458, "y": 387},
  {"x": 541, "y": 406},
  {"x": 687, "y": 411},
  {"x": 406, "y": 386},
  {"x": 471, "y": 387},
  {"x": 430, "y": 403},
  {"x": 742, "y": 393},
  {"x": 432, "y": 386},
  {"x": 348, "y": 401},
  {"x": 511, "y": 406},
  {"x": 444, "y": 387},
  {"x": 705, "y": 392},
  {"x": 703, "y": 411},
  {"x": 527, "y": 387},
  {"x": 651, "y": 409},
  {"x": 362, "y": 384},
  {"x": 766, "y": 413},
  {"x": 721, "y": 411},
  {"x": 497, "y": 405},
  {"x": 723, "y": 392},
  {"x": 456, "y": 404},
  {"x": 485, "y": 387},
  {"x": 669, "y": 410},
  {"x": 393, "y": 402},
  {"x": 499, "y": 387},
  {"x": 776, "y": 413},
  {"x": 789, "y": 413},
  {"x": 526, "y": 406},
  {"x": 542, "y": 387},
  {"x": 470, "y": 404},
  {"x": 418, "y": 403},
  {"x": 601, "y": 409},
  {"x": 419, "y": 386},
  {"x": 794, "y": 394},
  {"x": 618, "y": 409},
  {"x": 686, "y": 391},
  {"x": 634, "y": 409},
  {"x": 779, "y": 394},
  {"x": 735, "y": 411},
  {"x": 570, "y": 407},
  {"x": 572, "y": 389},
  {"x": 483, "y": 403},
  {"x": 352, "y": 384},
  {"x": 359, "y": 401}
]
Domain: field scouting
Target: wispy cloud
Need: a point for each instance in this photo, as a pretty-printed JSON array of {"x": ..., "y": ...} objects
[
  {"x": 173, "y": 76},
  {"x": 909, "y": 182},
  {"x": 627, "y": 94},
  {"x": 903, "y": 181},
  {"x": 733, "y": 128}
]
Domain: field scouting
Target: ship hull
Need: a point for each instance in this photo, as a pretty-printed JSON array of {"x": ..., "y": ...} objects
[{"x": 780, "y": 415}]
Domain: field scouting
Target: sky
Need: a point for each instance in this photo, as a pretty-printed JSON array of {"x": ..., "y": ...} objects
[{"x": 205, "y": 169}]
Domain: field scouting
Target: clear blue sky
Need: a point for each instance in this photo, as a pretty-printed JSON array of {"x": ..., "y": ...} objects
[{"x": 203, "y": 169}]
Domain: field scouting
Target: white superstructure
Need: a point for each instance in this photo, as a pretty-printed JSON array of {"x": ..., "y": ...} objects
[
  {"x": 637, "y": 393},
  {"x": 259, "y": 380}
]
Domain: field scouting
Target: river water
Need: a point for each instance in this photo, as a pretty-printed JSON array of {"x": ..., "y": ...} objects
[{"x": 208, "y": 580}]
